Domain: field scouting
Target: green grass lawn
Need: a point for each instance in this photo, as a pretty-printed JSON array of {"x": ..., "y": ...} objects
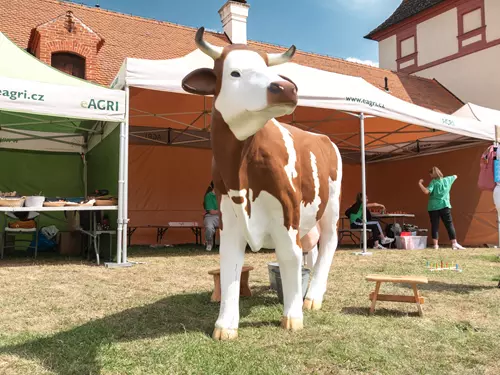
[{"x": 70, "y": 317}]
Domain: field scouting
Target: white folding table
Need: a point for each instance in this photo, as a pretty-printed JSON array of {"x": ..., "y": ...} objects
[{"x": 93, "y": 233}]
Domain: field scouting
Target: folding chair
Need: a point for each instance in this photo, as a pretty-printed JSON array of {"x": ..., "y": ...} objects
[{"x": 15, "y": 232}]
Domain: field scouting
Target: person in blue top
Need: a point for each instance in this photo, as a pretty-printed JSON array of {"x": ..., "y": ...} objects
[{"x": 439, "y": 206}]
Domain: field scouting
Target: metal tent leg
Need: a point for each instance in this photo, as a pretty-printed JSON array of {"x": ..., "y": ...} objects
[{"x": 363, "y": 181}]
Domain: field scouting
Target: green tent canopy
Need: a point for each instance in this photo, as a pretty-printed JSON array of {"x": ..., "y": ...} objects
[{"x": 59, "y": 135}]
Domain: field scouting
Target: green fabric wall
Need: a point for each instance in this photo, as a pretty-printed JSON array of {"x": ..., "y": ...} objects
[
  {"x": 53, "y": 174},
  {"x": 102, "y": 173},
  {"x": 102, "y": 168}
]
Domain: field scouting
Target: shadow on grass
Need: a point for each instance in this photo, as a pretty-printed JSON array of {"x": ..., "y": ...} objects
[
  {"x": 364, "y": 311},
  {"x": 46, "y": 260},
  {"x": 437, "y": 286},
  {"x": 180, "y": 250},
  {"x": 76, "y": 351},
  {"x": 25, "y": 259}
]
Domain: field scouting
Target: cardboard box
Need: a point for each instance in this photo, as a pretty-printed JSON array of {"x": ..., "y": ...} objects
[{"x": 70, "y": 243}]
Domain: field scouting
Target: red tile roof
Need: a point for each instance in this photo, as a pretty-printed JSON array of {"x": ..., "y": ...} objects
[{"x": 132, "y": 36}]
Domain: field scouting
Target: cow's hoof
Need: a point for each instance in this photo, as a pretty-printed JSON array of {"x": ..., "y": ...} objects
[
  {"x": 312, "y": 304},
  {"x": 224, "y": 334},
  {"x": 292, "y": 324}
]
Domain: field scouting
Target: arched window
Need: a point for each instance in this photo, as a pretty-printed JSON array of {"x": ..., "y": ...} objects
[{"x": 69, "y": 63}]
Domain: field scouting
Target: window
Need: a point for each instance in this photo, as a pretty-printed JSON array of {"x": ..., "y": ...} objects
[
  {"x": 471, "y": 25},
  {"x": 472, "y": 20},
  {"x": 407, "y": 48},
  {"x": 69, "y": 63}
]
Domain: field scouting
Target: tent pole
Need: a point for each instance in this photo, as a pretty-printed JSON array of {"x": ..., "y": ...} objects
[
  {"x": 204, "y": 112},
  {"x": 125, "y": 175},
  {"x": 363, "y": 180},
  {"x": 496, "y": 143},
  {"x": 121, "y": 182},
  {"x": 85, "y": 175}
]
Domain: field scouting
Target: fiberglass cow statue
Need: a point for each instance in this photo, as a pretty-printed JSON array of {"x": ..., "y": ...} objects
[{"x": 279, "y": 186}]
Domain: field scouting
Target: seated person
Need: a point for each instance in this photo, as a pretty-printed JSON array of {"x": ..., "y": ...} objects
[
  {"x": 355, "y": 216},
  {"x": 211, "y": 218}
]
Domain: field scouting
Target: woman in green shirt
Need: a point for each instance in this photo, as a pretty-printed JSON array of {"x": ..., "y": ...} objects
[
  {"x": 439, "y": 206},
  {"x": 355, "y": 216},
  {"x": 211, "y": 218}
]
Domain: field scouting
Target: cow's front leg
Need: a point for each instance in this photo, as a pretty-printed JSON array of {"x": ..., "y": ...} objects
[
  {"x": 232, "y": 254},
  {"x": 289, "y": 255}
]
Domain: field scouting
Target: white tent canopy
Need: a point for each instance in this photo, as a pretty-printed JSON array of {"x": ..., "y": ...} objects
[
  {"x": 479, "y": 113},
  {"x": 35, "y": 98},
  {"x": 317, "y": 88}
]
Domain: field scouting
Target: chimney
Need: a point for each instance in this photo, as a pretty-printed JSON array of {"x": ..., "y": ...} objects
[{"x": 234, "y": 16}]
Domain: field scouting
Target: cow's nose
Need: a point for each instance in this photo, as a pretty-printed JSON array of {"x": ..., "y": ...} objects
[
  {"x": 276, "y": 88},
  {"x": 282, "y": 92}
]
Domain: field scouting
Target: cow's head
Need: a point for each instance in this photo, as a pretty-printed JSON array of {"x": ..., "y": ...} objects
[{"x": 246, "y": 92}]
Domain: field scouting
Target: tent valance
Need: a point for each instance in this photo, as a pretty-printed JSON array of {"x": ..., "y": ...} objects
[{"x": 77, "y": 102}]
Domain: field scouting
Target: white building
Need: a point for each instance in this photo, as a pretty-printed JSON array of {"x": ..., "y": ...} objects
[{"x": 456, "y": 42}]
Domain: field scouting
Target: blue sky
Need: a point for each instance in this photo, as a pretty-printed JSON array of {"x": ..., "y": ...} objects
[{"x": 328, "y": 27}]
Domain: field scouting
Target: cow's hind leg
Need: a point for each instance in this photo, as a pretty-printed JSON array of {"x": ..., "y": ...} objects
[
  {"x": 289, "y": 255},
  {"x": 232, "y": 254},
  {"x": 327, "y": 247}
]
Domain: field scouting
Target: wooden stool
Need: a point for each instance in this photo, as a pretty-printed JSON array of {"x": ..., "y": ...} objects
[
  {"x": 244, "y": 288},
  {"x": 412, "y": 280}
]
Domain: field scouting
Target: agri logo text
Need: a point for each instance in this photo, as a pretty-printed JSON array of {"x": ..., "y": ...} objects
[
  {"x": 102, "y": 105},
  {"x": 15, "y": 95}
]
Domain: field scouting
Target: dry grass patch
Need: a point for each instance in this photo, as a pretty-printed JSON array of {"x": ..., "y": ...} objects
[{"x": 155, "y": 318}]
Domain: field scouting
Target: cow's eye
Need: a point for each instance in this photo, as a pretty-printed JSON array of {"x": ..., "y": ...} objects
[{"x": 235, "y": 74}]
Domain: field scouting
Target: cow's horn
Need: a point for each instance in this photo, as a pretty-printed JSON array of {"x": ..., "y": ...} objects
[
  {"x": 281, "y": 58},
  {"x": 213, "y": 51}
]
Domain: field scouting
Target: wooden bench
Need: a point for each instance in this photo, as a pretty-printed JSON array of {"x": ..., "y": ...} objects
[
  {"x": 412, "y": 280},
  {"x": 162, "y": 229},
  {"x": 193, "y": 225},
  {"x": 244, "y": 288}
]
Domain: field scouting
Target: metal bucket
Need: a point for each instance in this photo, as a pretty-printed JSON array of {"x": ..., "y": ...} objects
[
  {"x": 272, "y": 277},
  {"x": 306, "y": 273}
]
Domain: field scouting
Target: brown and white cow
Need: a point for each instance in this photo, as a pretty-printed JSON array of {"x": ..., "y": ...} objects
[{"x": 279, "y": 185}]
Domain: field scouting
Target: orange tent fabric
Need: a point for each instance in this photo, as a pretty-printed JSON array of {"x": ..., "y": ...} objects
[{"x": 168, "y": 183}]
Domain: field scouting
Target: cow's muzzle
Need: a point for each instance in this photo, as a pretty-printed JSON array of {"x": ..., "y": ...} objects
[{"x": 282, "y": 93}]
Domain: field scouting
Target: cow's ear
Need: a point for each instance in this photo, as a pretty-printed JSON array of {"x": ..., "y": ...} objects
[{"x": 200, "y": 82}]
